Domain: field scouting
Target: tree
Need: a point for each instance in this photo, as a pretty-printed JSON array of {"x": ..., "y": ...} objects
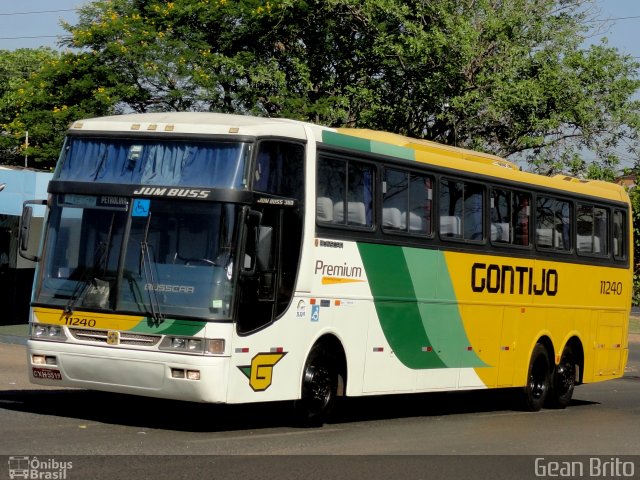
[
  {"x": 508, "y": 77},
  {"x": 16, "y": 69},
  {"x": 634, "y": 195},
  {"x": 63, "y": 89}
]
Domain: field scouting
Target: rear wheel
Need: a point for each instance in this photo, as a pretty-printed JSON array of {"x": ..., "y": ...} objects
[
  {"x": 319, "y": 387},
  {"x": 538, "y": 379},
  {"x": 564, "y": 380}
]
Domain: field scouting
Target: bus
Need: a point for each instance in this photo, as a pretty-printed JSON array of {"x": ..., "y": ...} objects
[{"x": 233, "y": 259}]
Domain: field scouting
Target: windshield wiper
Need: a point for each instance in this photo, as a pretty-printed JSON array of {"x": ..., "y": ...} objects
[
  {"x": 100, "y": 256},
  {"x": 147, "y": 272},
  {"x": 85, "y": 280}
]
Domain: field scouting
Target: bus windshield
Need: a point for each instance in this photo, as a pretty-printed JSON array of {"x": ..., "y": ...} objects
[
  {"x": 154, "y": 162},
  {"x": 168, "y": 259}
]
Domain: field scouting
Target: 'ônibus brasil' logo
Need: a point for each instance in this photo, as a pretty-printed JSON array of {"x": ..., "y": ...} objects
[{"x": 260, "y": 372}]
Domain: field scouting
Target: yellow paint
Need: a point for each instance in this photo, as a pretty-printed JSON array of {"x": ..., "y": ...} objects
[
  {"x": 86, "y": 319},
  {"x": 504, "y": 326},
  {"x": 262, "y": 370},
  {"x": 336, "y": 280}
]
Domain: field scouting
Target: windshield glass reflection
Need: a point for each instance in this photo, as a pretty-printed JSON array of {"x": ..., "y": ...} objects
[{"x": 178, "y": 257}]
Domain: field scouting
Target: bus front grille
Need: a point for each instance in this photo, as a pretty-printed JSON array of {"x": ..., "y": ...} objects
[{"x": 126, "y": 338}]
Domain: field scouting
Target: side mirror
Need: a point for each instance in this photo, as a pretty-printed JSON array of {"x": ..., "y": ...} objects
[
  {"x": 25, "y": 223},
  {"x": 254, "y": 218},
  {"x": 25, "y": 229}
]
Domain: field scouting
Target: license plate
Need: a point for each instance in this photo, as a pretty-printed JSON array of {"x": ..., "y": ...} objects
[{"x": 48, "y": 373}]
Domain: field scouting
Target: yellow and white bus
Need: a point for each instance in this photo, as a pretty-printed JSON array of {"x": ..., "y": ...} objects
[{"x": 231, "y": 259}]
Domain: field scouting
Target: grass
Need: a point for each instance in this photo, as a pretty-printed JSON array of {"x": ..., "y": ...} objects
[{"x": 634, "y": 324}]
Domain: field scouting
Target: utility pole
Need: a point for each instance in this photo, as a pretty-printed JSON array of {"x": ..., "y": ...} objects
[{"x": 26, "y": 145}]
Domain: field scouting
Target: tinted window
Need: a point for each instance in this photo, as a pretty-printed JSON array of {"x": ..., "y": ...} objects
[
  {"x": 461, "y": 210},
  {"x": 344, "y": 193},
  {"x": 510, "y": 217},
  {"x": 592, "y": 230},
  {"x": 553, "y": 223},
  {"x": 406, "y": 204},
  {"x": 279, "y": 169},
  {"x": 619, "y": 234}
]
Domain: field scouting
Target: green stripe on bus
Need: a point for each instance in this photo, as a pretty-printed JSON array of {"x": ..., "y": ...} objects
[
  {"x": 365, "y": 145},
  {"x": 392, "y": 150},
  {"x": 398, "y": 312},
  {"x": 438, "y": 308},
  {"x": 416, "y": 307},
  {"x": 169, "y": 326},
  {"x": 346, "y": 141}
]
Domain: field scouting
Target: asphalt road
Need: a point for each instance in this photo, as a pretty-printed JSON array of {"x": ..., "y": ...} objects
[{"x": 480, "y": 434}]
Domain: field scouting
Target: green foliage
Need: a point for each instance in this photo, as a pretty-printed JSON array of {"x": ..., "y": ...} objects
[
  {"x": 17, "y": 69},
  {"x": 49, "y": 92},
  {"x": 634, "y": 195},
  {"x": 510, "y": 78}
]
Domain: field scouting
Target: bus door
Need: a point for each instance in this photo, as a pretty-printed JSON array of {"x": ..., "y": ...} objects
[
  {"x": 273, "y": 234},
  {"x": 267, "y": 277}
]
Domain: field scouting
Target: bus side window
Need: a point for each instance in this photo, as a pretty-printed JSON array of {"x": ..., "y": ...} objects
[
  {"x": 500, "y": 216},
  {"x": 619, "y": 235},
  {"x": 461, "y": 210},
  {"x": 330, "y": 188},
  {"x": 592, "y": 231},
  {"x": 406, "y": 204},
  {"x": 279, "y": 169},
  {"x": 420, "y": 199},
  {"x": 510, "y": 215},
  {"x": 344, "y": 193},
  {"x": 521, "y": 218},
  {"x": 553, "y": 224},
  {"x": 394, "y": 200}
]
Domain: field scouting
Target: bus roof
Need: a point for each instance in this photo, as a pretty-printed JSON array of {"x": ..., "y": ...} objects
[
  {"x": 203, "y": 123},
  {"x": 469, "y": 161},
  {"x": 386, "y": 143}
]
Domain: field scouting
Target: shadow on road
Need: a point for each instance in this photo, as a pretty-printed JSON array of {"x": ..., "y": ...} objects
[{"x": 143, "y": 412}]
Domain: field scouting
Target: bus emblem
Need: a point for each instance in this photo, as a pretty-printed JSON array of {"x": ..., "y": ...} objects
[
  {"x": 113, "y": 337},
  {"x": 260, "y": 372}
]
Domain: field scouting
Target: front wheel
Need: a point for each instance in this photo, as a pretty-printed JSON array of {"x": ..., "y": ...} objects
[
  {"x": 538, "y": 379},
  {"x": 319, "y": 387}
]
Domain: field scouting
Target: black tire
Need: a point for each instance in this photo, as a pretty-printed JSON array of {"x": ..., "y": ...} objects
[
  {"x": 563, "y": 381},
  {"x": 538, "y": 379},
  {"x": 319, "y": 387}
]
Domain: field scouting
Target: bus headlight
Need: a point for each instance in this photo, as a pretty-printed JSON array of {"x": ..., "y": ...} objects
[
  {"x": 214, "y": 346},
  {"x": 40, "y": 331},
  {"x": 193, "y": 345}
]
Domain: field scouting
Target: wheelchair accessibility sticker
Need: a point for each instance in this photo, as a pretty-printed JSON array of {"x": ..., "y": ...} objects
[
  {"x": 141, "y": 207},
  {"x": 315, "y": 313}
]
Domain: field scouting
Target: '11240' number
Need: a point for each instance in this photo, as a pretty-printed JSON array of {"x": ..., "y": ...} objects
[{"x": 610, "y": 288}]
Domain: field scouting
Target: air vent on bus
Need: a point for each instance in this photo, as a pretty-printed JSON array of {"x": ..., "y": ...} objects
[{"x": 126, "y": 338}]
